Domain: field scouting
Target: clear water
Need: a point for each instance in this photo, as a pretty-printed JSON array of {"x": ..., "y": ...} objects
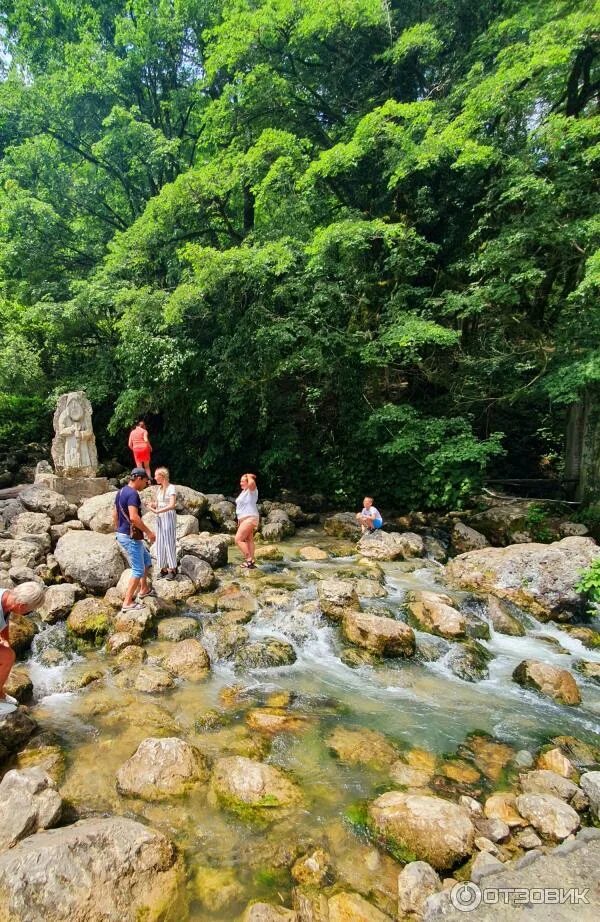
[{"x": 414, "y": 704}]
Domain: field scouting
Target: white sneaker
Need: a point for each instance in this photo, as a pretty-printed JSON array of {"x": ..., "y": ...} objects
[
  {"x": 135, "y": 606},
  {"x": 7, "y": 708}
]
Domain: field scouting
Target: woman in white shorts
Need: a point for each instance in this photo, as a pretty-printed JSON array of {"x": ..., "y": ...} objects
[{"x": 246, "y": 510}]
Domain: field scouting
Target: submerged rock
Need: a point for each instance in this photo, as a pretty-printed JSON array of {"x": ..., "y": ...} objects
[
  {"x": 237, "y": 782},
  {"x": 97, "y": 869},
  {"x": 160, "y": 768},
  {"x": 555, "y": 683},
  {"x": 266, "y": 912},
  {"x": 424, "y": 828},
  {"x": 276, "y": 720},
  {"x": 352, "y": 907},
  {"x": 217, "y": 888},
  {"x": 362, "y": 747},
  {"x": 539, "y": 578},
  {"x": 312, "y": 553},
  {"x": 267, "y": 653},
  {"x": 382, "y": 636},
  {"x": 382, "y": 545}
]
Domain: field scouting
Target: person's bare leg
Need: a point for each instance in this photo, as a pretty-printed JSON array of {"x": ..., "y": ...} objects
[
  {"x": 147, "y": 469},
  {"x": 240, "y": 540},
  {"x": 250, "y": 544},
  {"x": 132, "y": 588},
  {"x": 7, "y": 658}
]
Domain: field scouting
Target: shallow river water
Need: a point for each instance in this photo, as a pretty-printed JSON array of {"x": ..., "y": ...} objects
[{"x": 415, "y": 704}]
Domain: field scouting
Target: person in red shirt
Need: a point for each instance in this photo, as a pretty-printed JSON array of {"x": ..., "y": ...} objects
[{"x": 139, "y": 443}]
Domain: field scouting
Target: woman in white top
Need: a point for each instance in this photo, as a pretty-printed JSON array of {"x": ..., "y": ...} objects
[
  {"x": 247, "y": 515},
  {"x": 166, "y": 524}
]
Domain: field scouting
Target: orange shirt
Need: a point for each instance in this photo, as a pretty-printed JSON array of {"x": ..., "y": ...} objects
[{"x": 138, "y": 439}]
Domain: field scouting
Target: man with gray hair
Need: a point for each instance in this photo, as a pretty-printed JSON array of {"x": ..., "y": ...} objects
[{"x": 18, "y": 601}]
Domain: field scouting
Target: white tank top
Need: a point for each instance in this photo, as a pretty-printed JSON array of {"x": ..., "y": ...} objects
[{"x": 245, "y": 504}]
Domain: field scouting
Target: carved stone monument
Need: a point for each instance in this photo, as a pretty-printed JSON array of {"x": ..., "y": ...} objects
[{"x": 73, "y": 451}]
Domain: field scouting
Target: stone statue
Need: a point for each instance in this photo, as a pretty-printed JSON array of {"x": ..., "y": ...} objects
[{"x": 74, "y": 445}]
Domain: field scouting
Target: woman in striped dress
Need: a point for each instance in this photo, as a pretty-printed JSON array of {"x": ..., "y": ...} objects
[{"x": 166, "y": 524}]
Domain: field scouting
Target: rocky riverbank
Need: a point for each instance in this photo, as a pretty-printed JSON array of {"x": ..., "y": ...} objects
[{"x": 344, "y": 733}]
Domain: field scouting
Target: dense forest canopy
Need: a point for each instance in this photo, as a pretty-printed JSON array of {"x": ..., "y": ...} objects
[{"x": 350, "y": 244}]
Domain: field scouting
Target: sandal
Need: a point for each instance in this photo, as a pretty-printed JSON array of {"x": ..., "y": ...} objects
[
  {"x": 164, "y": 571},
  {"x": 171, "y": 575},
  {"x": 146, "y": 595}
]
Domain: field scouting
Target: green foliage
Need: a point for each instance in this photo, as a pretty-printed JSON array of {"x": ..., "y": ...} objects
[
  {"x": 344, "y": 244},
  {"x": 538, "y": 525},
  {"x": 589, "y": 584}
]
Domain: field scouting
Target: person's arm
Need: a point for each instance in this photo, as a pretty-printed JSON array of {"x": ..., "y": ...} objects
[
  {"x": 130, "y": 441},
  {"x": 136, "y": 519},
  {"x": 115, "y": 517},
  {"x": 251, "y": 482}
]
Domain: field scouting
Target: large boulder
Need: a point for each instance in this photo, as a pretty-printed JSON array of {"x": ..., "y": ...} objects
[
  {"x": 416, "y": 883},
  {"x": 423, "y": 828},
  {"x": 174, "y": 591},
  {"x": 503, "y": 521},
  {"x": 39, "y": 498},
  {"x": 211, "y": 548},
  {"x": 161, "y": 768},
  {"x": 17, "y": 552},
  {"x": 539, "y": 578},
  {"x": 382, "y": 545},
  {"x": 336, "y": 596},
  {"x": 31, "y": 523},
  {"x": 548, "y": 680},
  {"x": 342, "y": 525},
  {"x": 543, "y": 781},
  {"x": 91, "y": 559},
  {"x": 96, "y": 513},
  {"x": 550, "y": 816},
  {"x": 590, "y": 784},
  {"x": 383, "y": 636},
  {"x": 237, "y": 782},
  {"x": 90, "y": 619},
  {"x": 110, "y": 869},
  {"x": 188, "y": 501},
  {"x": 199, "y": 571},
  {"x": 28, "y": 801},
  {"x": 58, "y": 602},
  {"x": 464, "y": 538},
  {"x": 434, "y": 612},
  {"x": 175, "y": 629}
]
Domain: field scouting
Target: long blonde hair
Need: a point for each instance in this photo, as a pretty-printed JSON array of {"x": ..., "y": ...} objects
[{"x": 163, "y": 470}]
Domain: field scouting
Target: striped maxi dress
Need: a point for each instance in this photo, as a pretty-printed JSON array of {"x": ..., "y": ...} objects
[{"x": 166, "y": 525}]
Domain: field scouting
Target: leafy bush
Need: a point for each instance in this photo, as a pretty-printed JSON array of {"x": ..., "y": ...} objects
[
  {"x": 22, "y": 420},
  {"x": 589, "y": 584}
]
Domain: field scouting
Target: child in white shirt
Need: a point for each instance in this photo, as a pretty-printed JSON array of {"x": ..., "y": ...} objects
[{"x": 369, "y": 518}]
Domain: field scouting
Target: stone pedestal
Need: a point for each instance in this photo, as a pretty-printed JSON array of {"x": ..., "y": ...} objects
[{"x": 74, "y": 489}]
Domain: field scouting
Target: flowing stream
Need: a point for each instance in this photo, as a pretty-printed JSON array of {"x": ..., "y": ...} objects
[{"x": 414, "y": 703}]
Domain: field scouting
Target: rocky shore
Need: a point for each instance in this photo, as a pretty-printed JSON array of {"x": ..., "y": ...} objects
[{"x": 171, "y": 763}]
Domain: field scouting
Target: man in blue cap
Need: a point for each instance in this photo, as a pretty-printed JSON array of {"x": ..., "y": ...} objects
[{"x": 130, "y": 529}]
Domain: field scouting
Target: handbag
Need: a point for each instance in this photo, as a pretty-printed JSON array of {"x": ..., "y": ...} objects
[{"x": 135, "y": 533}]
